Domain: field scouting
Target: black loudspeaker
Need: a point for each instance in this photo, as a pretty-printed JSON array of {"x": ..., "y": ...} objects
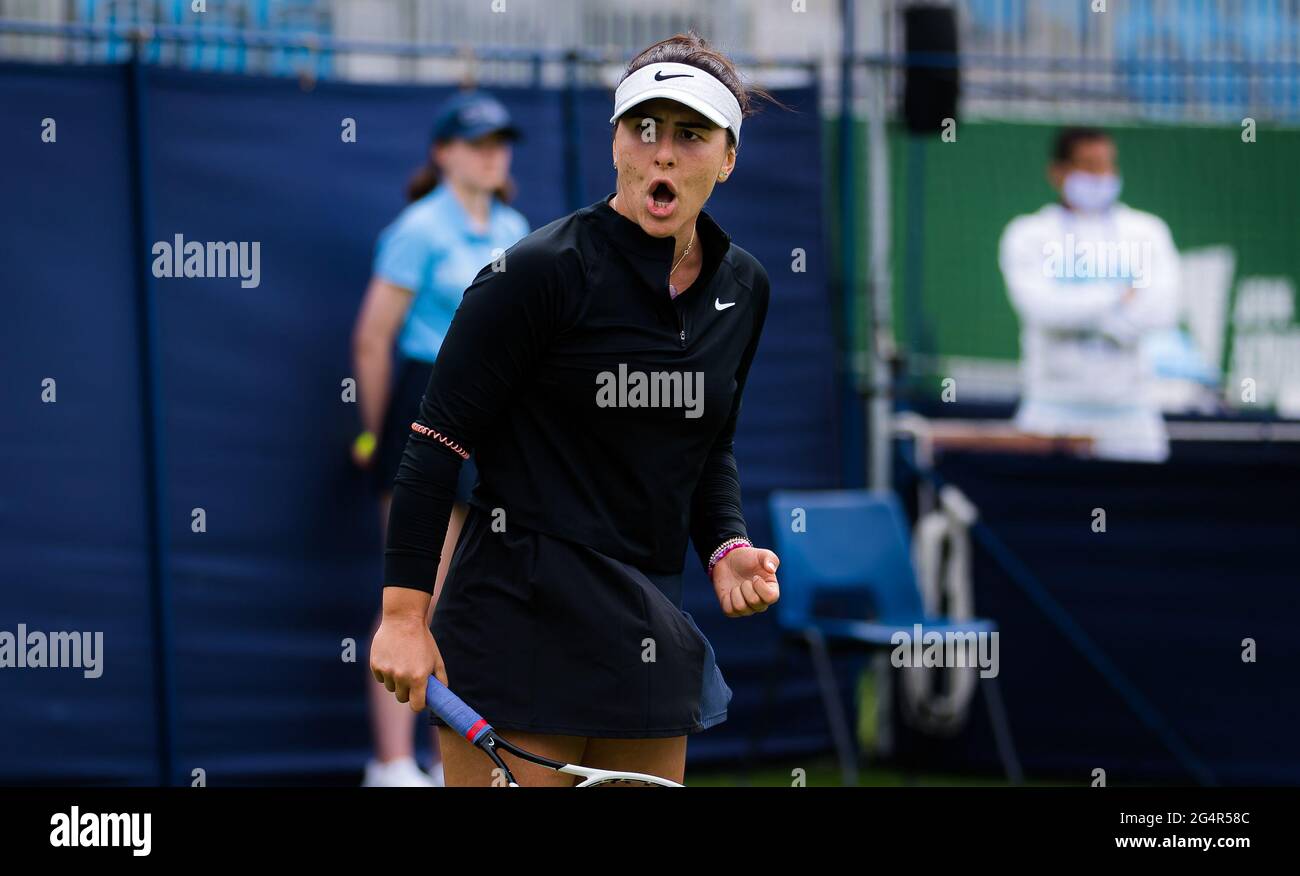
[{"x": 929, "y": 92}]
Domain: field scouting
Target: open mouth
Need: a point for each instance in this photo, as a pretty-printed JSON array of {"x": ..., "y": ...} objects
[{"x": 662, "y": 199}]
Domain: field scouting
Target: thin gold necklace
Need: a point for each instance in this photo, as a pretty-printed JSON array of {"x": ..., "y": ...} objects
[{"x": 671, "y": 288}]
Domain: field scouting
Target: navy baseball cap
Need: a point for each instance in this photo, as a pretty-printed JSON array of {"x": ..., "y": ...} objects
[{"x": 470, "y": 115}]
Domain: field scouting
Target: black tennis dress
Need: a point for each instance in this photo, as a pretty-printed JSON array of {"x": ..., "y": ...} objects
[{"x": 601, "y": 413}]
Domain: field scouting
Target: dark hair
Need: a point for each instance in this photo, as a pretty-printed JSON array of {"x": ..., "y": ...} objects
[
  {"x": 691, "y": 48},
  {"x": 1068, "y": 138},
  {"x": 425, "y": 179}
]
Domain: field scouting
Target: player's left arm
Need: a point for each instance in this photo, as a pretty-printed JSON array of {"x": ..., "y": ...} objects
[{"x": 745, "y": 578}]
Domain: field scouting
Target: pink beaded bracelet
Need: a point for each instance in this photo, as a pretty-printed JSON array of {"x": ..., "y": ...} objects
[{"x": 725, "y": 548}]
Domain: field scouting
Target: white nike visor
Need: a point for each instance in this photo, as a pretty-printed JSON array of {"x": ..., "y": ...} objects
[{"x": 696, "y": 88}]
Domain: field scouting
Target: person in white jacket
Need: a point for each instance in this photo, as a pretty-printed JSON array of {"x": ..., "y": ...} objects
[{"x": 1088, "y": 277}]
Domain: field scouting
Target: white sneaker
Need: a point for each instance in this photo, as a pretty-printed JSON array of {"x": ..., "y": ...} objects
[
  {"x": 400, "y": 773},
  {"x": 435, "y": 775}
]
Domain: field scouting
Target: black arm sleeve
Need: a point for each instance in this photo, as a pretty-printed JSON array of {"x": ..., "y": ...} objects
[
  {"x": 716, "y": 513},
  {"x": 503, "y": 324}
]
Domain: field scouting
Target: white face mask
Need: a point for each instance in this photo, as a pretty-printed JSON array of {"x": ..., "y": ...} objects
[{"x": 1090, "y": 192}]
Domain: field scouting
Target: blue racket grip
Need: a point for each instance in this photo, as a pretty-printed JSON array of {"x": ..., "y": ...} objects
[{"x": 452, "y": 709}]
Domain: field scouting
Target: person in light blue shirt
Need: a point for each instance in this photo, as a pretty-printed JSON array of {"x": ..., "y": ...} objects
[
  {"x": 457, "y": 222},
  {"x": 435, "y": 249}
]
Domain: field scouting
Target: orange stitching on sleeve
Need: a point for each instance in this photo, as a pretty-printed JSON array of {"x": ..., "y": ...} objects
[{"x": 433, "y": 433}]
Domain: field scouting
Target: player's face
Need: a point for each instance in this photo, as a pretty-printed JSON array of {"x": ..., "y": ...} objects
[
  {"x": 669, "y": 158},
  {"x": 482, "y": 164}
]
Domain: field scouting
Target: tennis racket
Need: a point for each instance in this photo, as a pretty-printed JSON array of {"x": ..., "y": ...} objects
[{"x": 470, "y": 724}]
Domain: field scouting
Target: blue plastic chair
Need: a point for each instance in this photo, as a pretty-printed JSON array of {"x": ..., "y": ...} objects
[{"x": 856, "y": 542}]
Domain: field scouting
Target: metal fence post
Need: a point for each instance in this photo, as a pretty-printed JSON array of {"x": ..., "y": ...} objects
[
  {"x": 853, "y": 469},
  {"x": 573, "y": 194},
  {"x": 151, "y": 410}
]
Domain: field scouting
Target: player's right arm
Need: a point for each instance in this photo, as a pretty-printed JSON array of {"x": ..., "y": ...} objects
[
  {"x": 403, "y": 654},
  {"x": 503, "y": 325}
]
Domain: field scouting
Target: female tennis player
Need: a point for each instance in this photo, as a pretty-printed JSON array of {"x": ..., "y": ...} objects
[
  {"x": 456, "y": 223},
  {"x": 597, "y": 377}
]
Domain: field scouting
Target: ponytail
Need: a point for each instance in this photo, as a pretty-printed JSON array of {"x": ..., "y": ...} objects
[
  {"x": 423, "y": 181},
  {"x": 506, "y": 193}
]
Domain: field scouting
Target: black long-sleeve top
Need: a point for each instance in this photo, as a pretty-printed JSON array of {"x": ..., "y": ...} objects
[{"x": 599, "y": 409}]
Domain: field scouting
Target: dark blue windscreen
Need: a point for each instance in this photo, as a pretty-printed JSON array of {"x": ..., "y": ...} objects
[
  {"x": 73, "y": 544},
  {"x": 255, "y": 429}
]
